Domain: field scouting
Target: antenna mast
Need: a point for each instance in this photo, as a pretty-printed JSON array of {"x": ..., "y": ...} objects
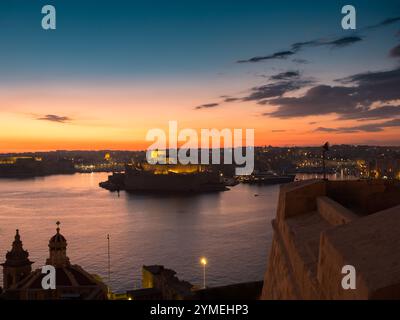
[{"x": 109, "y": 260}]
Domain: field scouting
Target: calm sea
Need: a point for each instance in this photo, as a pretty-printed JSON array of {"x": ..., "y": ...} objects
[{"x": 232, "y": 229}]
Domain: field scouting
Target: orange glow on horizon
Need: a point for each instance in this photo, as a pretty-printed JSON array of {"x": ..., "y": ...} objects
[{"x": 118, "y": 118}]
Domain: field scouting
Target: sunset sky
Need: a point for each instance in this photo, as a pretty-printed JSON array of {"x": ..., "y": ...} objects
[{"x": 112, "y": 70}]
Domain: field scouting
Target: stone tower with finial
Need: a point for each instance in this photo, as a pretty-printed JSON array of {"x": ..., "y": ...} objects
[
  {"x": 17, "y": 265},
  {"x": 58, "y": 250}
]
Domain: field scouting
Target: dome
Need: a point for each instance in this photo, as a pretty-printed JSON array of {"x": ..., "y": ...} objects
[
  {"x": 58, "y": 249},
  {"x": 57, "y": 237},
  {"x": 73, "y": 282},
  {"x": 58, "y": 240}
]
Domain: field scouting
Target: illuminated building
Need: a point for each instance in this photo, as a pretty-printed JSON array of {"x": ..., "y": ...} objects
[{"x": 170, "y": 177}]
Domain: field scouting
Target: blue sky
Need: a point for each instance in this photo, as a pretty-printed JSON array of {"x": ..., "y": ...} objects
[{"x": 148, "y": 38}]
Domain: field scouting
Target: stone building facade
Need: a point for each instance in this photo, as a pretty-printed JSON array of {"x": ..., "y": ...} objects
[{"x": 322, "y": 226}]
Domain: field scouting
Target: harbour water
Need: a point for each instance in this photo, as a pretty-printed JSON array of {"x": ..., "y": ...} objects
[{"x": 232, "y": 229}]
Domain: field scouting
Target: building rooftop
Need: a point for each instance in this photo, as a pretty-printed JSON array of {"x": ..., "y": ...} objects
[{"x": 70, "y": 276}]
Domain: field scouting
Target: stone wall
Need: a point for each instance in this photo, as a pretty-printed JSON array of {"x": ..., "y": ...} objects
[
  {"x": 334, "y": 212},
  {"x": 316, "y": 233},
  {"x": 279, "y": 282}
]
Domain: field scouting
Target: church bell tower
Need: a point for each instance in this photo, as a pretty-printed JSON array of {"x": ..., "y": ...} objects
[
  {"x": 58, "y": 250},
  {"x": 17, "y": 265}
]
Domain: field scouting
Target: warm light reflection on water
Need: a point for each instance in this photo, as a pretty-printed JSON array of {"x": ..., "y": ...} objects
[{"x": 232, "y": 229}]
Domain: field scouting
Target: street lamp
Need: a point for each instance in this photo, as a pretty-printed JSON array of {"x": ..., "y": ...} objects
[{"x": 203, "y": 261}]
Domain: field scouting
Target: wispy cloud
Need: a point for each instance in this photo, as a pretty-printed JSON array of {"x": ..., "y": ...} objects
[
  {"x": 298, "y": 46},
  {"x": 300, "y": 61},
  {"x": 231, "y": 99},
  {"x": 384, "y": 112},
  {"x": 338, "y": 42},
  {"x": 207, "y": 106},
  {"x": 285, "y": 75},
  {"x": 371, "y": 127},
  {"x": 278, "y": 85},
  {"x": 276, "y": 55},
  {"x": 384, "y": 23},
  {"x": 323, "y": 129},
  {"x": 276, "y": 89},
  {"x": 54, "y": 118},
  {"x": 353, "y": 98},
  {"x": 334, "y": 43}
]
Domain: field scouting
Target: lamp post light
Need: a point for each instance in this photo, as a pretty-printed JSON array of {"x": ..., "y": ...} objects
[{"x": 203, "y": 261}]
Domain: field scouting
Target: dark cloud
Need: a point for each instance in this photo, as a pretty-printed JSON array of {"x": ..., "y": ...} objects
[
  {"x": 375, "y": 86},
  {"x": 301, "y": 61},
  {"x": 231, "y": 99},
  {"x": 312, "y": 123},
  {"x": 389, "y": 21},
  {"x": 384, "y": 23},
  {"x": 318, "y": 100},
  {"x": 207, "y": 106},
  {"x": 300, "y": 45},
  {"x": 277, "y": 55},
  {"x": 343, "y": 42},
  {"x": 334, "y": 43},
  {"x": 360, "y": 93},
  {"x": 277, "y": 89},
  {"x": 371, "y": 127},
  {"x": 371, "y": 77},
  {"x": 384, "y": 112},
  {"x": 296, "y": 47},
  {"x": 339, "y": 42},
  {"x": 54, "y": 118},
  {"x": 285, "y": 75},
  {"x": 278, "y": 131},
  {"x": 323, "y": 129},
  {"x": 395, "y": 52},
  {"x": 280, "y": 84}
]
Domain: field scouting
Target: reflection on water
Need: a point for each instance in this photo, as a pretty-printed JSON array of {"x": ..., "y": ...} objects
[
  {"x": 313, "y": 176},
  {"x": 232, "y": 229}
]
